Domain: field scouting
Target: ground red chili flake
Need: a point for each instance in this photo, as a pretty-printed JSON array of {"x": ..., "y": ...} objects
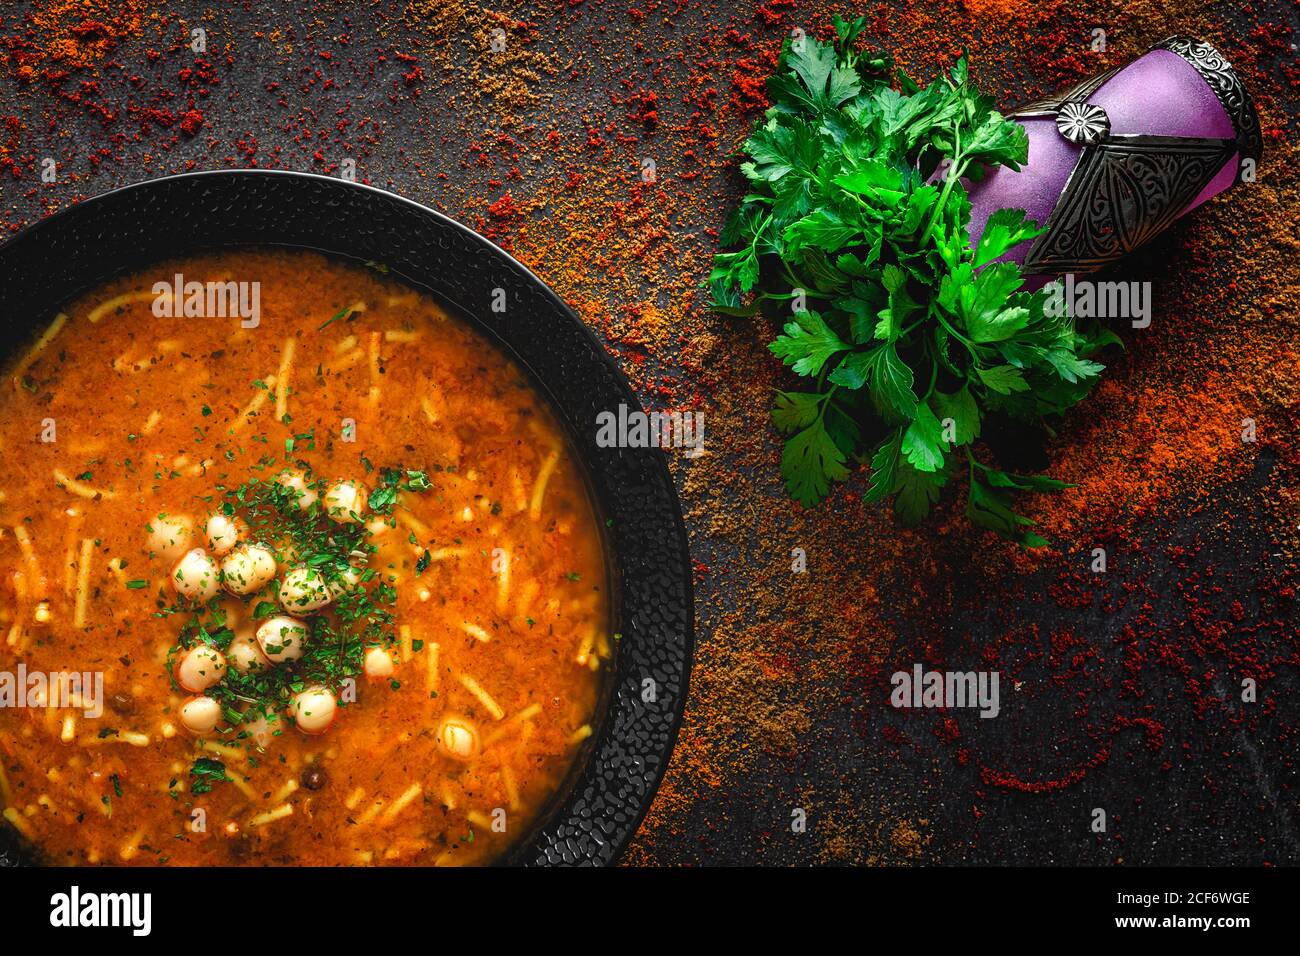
[{"x": 191, "y": 122}]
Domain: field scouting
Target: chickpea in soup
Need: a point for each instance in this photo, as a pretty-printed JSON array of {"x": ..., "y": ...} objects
[{"x": 315, "y": 582}]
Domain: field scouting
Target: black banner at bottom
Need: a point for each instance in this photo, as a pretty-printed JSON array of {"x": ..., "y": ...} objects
[{"x": 132, "y": 905}]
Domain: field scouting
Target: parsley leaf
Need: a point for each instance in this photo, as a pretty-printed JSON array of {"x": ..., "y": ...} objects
[
  {"x": 810, "y": 462},
  {"x": 808, "y": 343}
]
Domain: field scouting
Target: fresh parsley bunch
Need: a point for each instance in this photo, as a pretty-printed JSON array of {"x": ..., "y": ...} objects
[{"x": 910, "y": 335}]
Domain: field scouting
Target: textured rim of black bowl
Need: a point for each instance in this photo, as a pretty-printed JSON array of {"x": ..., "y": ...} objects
[{"x": 67, "y": 253}]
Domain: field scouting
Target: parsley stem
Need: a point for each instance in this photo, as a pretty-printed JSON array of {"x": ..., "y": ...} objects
[
  {"x": 955, "y": 172},
  {"x": 798, "y": 283},
  {"x": 826, "y": 402},
  {"x": 934, "y": 374},
  {"x": 970, "y": 346}
]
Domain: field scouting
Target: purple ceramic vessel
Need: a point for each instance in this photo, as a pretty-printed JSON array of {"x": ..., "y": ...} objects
[{"x": 1116, "y": 159}]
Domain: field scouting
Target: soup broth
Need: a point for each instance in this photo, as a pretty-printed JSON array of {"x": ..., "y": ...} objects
[{"x": 318, "y": 553}]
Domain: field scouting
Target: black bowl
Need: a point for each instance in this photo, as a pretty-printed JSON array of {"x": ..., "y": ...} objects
[{"x": 611, "y": 788}]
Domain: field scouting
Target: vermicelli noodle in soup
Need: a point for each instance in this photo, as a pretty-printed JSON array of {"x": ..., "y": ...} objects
[{"x": 295, "y": 568}]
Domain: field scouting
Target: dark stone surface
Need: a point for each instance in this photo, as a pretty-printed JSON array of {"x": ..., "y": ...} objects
[{"x": 1229, "y": 798}]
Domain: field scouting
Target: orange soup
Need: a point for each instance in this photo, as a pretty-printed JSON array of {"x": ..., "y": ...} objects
[{"x": 295, "y": 569}]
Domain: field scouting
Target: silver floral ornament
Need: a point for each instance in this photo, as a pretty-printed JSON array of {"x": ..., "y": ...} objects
[{"x": 1083, "y": 123}]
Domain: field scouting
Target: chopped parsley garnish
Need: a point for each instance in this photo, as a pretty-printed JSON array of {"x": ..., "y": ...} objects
[
  {"x": 359, "y": 616},
  {"x": 383, "y": 498},
  {"x": 345, "y": 312},
  {"x": 205, "y": 772}
]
